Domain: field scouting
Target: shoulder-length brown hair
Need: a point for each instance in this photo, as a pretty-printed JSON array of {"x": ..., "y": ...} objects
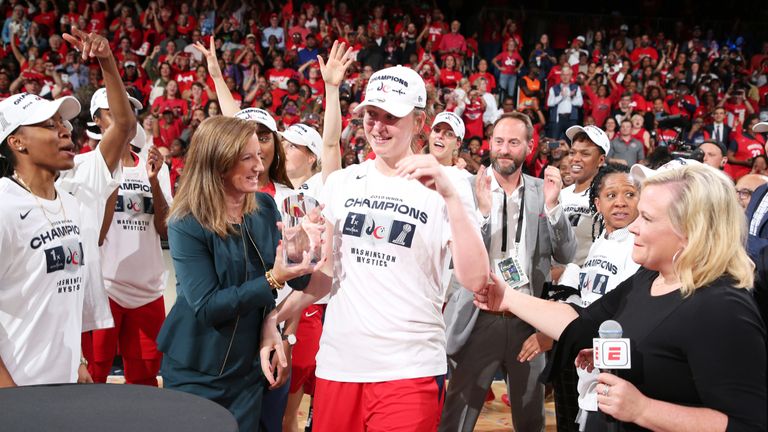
[{"x": 216, "y": 147}]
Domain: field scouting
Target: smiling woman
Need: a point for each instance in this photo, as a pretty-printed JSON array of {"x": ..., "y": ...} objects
[
  {"x": 688, "y": 313},
  {"x": 53, "y": 203},
  {"x": 391, "y": 236},
  {"x": 224, "y": 244}
]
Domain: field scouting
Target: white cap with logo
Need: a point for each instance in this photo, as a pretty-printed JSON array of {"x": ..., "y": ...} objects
[
  {"x": 595, "y": 134},
  {"x": 258, "y": 115},
  {"x": 139, "y": 140},
  {"x": 642, "y": 172},
  {"x": 397, "y": 90},
  {"x": 99, "y": 101},
  {"x": 452, "y": 120},
  {"x": 26, "y": 109},
  {"x": 301, "y": 134},
  {"x": 761, "y": 127}
]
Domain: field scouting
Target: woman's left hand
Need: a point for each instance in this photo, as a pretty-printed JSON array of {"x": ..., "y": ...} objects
[
  {"x": 83, "y": 376},
  {"x": 619, "y": 398},
  {"x": 427, "y": 170},
  {"x": 271, "y": 341}
]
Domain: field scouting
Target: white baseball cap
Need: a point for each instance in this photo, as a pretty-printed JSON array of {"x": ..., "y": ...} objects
[
  {"x": 454, "y": 121},
  {"x": 26, "y": 109},
  {"x": 642, "y": 172},
  {"x": 594, "y": 133},
  {"x": 258, "y": 115},
  {"x": 139, "y": 140},
  {"x": 760, "y": 127},
  {"x": 99, "y": 101},
  {"x": 301, "y": 134},
  {"x": 397, "y": 90}
]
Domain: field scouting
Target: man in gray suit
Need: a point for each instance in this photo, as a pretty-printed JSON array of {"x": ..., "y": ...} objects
[{"x": 523, "y": 228}]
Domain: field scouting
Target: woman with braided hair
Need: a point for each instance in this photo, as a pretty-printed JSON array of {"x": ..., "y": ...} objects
[{"x": 613, "y": 200}]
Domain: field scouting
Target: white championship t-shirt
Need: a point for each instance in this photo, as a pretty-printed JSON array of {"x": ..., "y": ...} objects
[
  {"x": 43, "y": 274},
  {"x": 133, "y": 265},
  {"x": 608, "y": 264},
  {"x": 91, "y": 183},
  {"x": 576, "y": 208},
  {"x": 384, "y": 320}
]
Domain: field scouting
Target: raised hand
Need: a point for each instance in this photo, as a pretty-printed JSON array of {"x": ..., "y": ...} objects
[
  {"x": 483, "y": 191},
  {"x": 154, "y": 162},
  {"x": 552, "y": 185},
  {"x": 339, "y": 60},
  {"x": 89, "y": 44},
  {"x": 210, "y": 57}
]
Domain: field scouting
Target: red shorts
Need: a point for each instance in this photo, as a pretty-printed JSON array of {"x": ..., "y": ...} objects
[
  {"x": 134, "y": 333},
  {"x": 304, "y": 352},
  {"x": 408, "y": 405}
]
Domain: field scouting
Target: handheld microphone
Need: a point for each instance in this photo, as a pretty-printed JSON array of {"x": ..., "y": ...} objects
[{"x": 611, "y": 352}]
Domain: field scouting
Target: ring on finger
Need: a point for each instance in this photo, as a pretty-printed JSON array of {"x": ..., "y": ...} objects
[{"x": 606, "y": 389}]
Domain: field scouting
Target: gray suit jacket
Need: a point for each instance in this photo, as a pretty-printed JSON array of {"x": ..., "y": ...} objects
[{"x": 543, "y": 240}]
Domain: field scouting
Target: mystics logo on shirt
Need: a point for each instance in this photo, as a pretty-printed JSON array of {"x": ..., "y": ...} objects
[
  {"x": 61, "y": 246},
  {"x": 132, "y": 202}
]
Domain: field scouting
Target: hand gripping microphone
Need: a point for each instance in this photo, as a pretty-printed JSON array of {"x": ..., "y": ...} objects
[{"x": 611, "y": 352}]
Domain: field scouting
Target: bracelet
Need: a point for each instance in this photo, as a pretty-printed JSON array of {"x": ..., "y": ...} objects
[
  {"x": 83, "y": 361},
  {"x": 272, "y": 281}
]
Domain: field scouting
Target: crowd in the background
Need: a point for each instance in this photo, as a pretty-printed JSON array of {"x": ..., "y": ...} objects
[{"x": 645, "y": 87}]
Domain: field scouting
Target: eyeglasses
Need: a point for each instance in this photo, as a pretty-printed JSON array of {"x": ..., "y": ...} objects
[{"x": 744, "y": 193}]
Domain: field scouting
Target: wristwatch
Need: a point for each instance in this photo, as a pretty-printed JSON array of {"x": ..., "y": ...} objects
[{"x": 291, "y": 338}]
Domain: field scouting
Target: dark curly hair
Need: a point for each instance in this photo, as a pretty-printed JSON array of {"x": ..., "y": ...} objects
[{"x": 594, "y": 192}]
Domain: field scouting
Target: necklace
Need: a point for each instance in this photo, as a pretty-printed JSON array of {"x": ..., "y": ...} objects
[{"x": 61, "y": 209}]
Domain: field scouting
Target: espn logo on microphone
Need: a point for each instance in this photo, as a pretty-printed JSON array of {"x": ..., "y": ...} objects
[{"x": 611, "y": 353}]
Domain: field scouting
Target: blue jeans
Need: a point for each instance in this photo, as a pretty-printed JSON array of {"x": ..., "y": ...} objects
[{"x": 508, "y": 84}]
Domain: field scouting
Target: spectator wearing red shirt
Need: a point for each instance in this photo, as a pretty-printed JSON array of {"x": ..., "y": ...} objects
[
  {"x": 737, "y": 105},
  {"x": 508, "y": 63},
  {"x": 601, "y": 101},
  {"x": 473, "y": 114},
  {"x": 168, "y": 128},
  {"x": 643, "y": 50},
  {"x": 449, "y": 75},
  {"x": 184, "y": 77},
  {"x": 46, "y": 17},
  {"x": 436, "y": 28},
  {"x": 482, "y": 72},
  {"x": 453, "y": 43},
  {"x": 378, "y": 27},
  {"x": 279, "y": 75},
  {"x": 171, "y": 101},
  {"x": 745, "y": 146}
]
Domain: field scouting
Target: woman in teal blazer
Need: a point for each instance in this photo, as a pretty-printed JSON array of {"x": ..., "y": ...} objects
[{"x": 224, "y": 244}]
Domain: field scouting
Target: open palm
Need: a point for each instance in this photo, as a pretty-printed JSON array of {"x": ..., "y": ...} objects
[{"x": 339, "y": 60}]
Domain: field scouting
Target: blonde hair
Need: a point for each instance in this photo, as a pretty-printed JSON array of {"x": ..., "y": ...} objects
[
  {"x": 705, "y": 211},
  {"x": 216, "y": 147}
]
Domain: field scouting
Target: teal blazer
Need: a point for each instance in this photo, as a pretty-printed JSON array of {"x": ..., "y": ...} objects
[{"x": 223, "y": 296}]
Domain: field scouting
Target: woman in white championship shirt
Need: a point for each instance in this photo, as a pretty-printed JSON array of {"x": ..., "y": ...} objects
[
  {"x": 304, "y": 151},
  {"x": 382, "y": 360},
  {"x": 134, "y": 268},
  {"x": 49, "y": 232},
  {"x": 613, "y": 199}
]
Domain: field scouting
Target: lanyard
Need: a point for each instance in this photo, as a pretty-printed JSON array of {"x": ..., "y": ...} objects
[{"x": 519, "y": 230}]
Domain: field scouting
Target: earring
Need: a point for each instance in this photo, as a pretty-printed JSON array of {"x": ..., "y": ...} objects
[{"x": 674, "y": 257}]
